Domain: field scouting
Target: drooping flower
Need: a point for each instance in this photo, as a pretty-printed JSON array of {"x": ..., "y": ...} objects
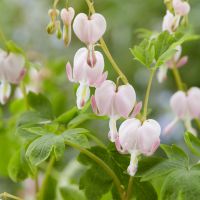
[
  {"x": 86, "y": 75},
  {"x": 170, "y": 22},
  {"x": 138, "y": 138},
  {"x": 11, "y": 72},
  {"x": 186, "y": 107},
  {"x": 89, "y": 29},
  {"x": 176, "y": 61},
  {"x": 114, "y": 102},
  {"x": 67, "y": 15},
  {"x": 181, "y": 8}
]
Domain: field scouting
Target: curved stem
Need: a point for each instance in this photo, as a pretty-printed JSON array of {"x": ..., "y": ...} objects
[
  {"x": 41, "y": 195},
  {"x": 102, "y": 164},
  {"x": 23, "y": 89},
  {"x": 177, "y": 78},
  {"x": 96, "y": 140},
  {"x": 129, "y": 189},
  {"x": 5, "y": 195},
  {"x": 106, "y": 50},
  {"x": 146, "y": 100}
]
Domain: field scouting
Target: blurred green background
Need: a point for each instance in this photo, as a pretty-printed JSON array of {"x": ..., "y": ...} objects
[{"x": 24, "y": 21}]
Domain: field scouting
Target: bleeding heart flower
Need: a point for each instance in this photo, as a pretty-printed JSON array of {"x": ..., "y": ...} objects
[
  {"x": 186, "y": 107},
  {"x": 181, "y": 8},
  {"x": 86, "y": 75},
  {"x": 67, "y": 16},
  {"x": 89, "y": 29},
  {"x": 138, "y": 138},
  {"x": 114, "y": 102},
  {"x": 170, "y": 22},
  {"x": 11, "y": 67}
]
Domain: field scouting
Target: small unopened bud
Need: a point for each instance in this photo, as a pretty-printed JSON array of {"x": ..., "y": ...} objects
[
  {"x": 53, "y": 13},
  {"x": 51, "y": 28},
  {"x": 67, "y": 35},
  {"x": 58, "y": 31}
]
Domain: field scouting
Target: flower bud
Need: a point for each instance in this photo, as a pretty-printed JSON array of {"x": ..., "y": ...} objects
[
  {"x": 51, "y": 28},
  {"x": 181, "y": 8},
  {"x": 67, "y": 15},
  {"x": 89, "y": 29}
]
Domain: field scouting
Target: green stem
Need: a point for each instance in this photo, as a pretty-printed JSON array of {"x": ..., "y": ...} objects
[
  {"x": 6, "y": 195},
  {"x": 129, "y": 189},
  {"x": 96, "y": 140},
  {"x": 41, "y": 195},
  {"x": 106, "y": 50},
  {"x": 102, "y": 164},
  {"x": 23, "y": 89},
  {"x": 146, "y": 100},
  {"x": 177, "y": 78}
]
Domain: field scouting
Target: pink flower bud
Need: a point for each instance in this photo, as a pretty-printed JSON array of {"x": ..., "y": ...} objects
[
  {"x": 89, "y": 29},
  {"x": 162, "y": 73},
  {"x": 67, "y": 15},
  {"x": 181, "y": 8},
  {"x": 11, "y": 67},
  {"x": 82, "y": 72},
  {"x": 194, "y": 102},
  {"x": 170, "y": 22},
  {"x": 85, "y": 74},
  {"x": 114, "y": 101},
  {"x": 149, "y": 137},
  {"x": 178, "y": 103},
  {"x": 183, "y": 61},
  {"x": 137, "y": 138}
]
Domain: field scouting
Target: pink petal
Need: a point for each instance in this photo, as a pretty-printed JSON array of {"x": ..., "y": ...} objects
[
  {"x": 136, "y": 110},
  {"x": 104, "y": 98},
  {"x": 89, "y": 30},
  {"x": 183, "y": 61},
  {"x": 178, "y": 103},
  {"x": 170, "y": 126},
  {"x": 94, "y": 105},
  {"x": 69, "y": 72},
  {"x": 181, "y": 8},
  {"x": 67, "y": 15},
  {"x": 125, "y": 99}
]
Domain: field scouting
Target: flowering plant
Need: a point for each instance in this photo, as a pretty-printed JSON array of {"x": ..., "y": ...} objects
[{"x": 134, "y": 162}]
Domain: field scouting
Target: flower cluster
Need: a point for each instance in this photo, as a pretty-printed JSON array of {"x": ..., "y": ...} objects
[
  {"x": 172, "y": 20},
  {"x": 12, "y": 70},
  {"x": 134, "y": 137},
  {"x": 186, "y": 107}
]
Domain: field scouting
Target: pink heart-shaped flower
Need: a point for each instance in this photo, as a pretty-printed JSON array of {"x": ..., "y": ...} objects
[{"x": 89, "y": 29}]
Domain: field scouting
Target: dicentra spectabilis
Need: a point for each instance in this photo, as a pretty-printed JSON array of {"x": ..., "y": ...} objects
[
  {"x": 181, "y": 8},
  {"x": 11, "y": 72},
  {"x": 85, "y": 74},
  {"x": 186, "y": 107},
  {"x": 176, "y": 61},
  {"x": 67, "y": 15},
  {"x": 89, "y": 29},
  {"x": 138, "y": 138},
  {"x": 170, "y": 22},
  {"x": 114, "y": 102}
]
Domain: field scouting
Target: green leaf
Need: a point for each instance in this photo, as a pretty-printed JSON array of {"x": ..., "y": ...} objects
[
  {"x": 71, "y": 193},
  {"x": 41, "y": 104},
  {"x": 144, "y": 53},
  {"x": 177, "y": 159},
  {"x": 76, "y": 136},
  {"x": 181, "y": 184},
  {"x": 83, "y": 118},
  {"x": 19, "y": 169},
  {"x": 193, "y": 143},
  {"x": 30, "y": 133},
  {"x": 41, "y": 148},
  {"x": 31, "y": 118},
  {"x": 67, "y": 116},
  {"x": 143, "y": 190}
]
